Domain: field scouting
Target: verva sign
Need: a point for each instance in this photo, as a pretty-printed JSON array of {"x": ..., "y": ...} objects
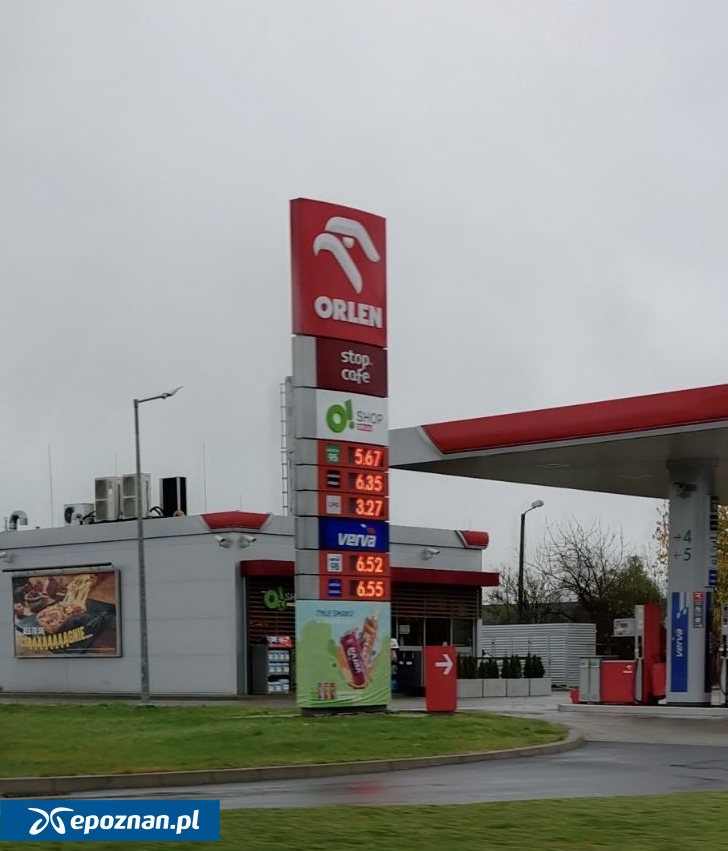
[
  {"x": 339, "y": 272},
  {"x": 341, "y": 365}
]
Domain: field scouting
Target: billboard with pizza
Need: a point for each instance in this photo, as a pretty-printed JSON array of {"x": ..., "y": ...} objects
[
  {"x": 61, "y": 614},
  {"x": 339, "y": 272}
]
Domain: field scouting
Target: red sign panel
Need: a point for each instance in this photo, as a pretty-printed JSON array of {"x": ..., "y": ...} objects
[
  {"x": 351, "y": 367},
  {"x": 366, "y": 506},
  {"x": 360, "y": 456},
  {"x": 441, "y": 679},
  {"x": 339, "y": 272},
  {"x": 347, "y": 588},
  {"x": 363, "y": 565}
]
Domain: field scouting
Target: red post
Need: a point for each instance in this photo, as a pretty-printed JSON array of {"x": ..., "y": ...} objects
[{"x": 441, "y": 679}]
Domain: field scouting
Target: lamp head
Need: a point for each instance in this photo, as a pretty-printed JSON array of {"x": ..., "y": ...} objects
[{"x": 537, "y": 504}]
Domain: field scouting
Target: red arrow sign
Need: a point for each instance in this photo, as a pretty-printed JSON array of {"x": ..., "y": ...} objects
[{"x": 441, "y": 679}]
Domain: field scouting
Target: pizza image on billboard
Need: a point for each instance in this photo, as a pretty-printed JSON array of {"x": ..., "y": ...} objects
[
  {"x": 339, "y": 275},
  {"x": 62, "y": 614}
]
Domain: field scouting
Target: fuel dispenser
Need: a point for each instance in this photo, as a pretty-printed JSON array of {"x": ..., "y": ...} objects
[
  {"x": 724, "y": 653},
  {"x": 649, "y": 653},
  {"x": 641, "y": 679}
]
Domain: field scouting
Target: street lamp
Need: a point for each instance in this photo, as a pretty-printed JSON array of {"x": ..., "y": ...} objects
[
  {"x": 537, "y": 504},
  {"x": 143, "y": 634}
]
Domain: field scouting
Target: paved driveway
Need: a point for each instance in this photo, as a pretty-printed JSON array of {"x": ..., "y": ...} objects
[{"x": 599, "y": 768}]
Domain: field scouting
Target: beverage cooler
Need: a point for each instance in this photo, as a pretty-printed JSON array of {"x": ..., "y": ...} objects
[
  {"x": 410, "y": 673},
  {"x": 272, "y": 665}
]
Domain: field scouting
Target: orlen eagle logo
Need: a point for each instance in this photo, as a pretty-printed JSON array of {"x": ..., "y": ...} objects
[
  {"x": 351, "y": 232},
  {"x": 51, "y": 818},
  {"x": 339, "y": 273}
]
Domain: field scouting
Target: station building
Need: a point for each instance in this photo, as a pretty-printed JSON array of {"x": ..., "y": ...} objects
[{"x": 218, "y": 585}]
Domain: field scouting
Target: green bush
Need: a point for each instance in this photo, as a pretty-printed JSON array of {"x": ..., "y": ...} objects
[
  {"x": 528, "y": 666},
  {"x": 538, "y": 669},
  {"x": 467, "y": 668},
  {"x": 505, "y": 668},
  {"x": 515, "y": 672},
  {"x": 488, "y": 669}
]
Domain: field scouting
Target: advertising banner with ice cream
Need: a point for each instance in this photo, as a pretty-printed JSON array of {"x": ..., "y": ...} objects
[{"x": 343, "y": 657}]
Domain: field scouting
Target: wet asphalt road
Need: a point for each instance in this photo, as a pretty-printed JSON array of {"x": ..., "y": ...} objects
[{"x": 598, "y": 768}]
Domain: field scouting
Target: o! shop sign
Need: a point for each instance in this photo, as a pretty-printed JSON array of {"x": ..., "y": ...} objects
[{"x": 353, "y": 367}]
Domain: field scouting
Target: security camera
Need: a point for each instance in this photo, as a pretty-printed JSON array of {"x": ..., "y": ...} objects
[
  {"x": 246, "y": 540},
  {"x": 685, "y": 490},
  {"x": 429, "y": 552},
  {"x": 222, "y": 541}
]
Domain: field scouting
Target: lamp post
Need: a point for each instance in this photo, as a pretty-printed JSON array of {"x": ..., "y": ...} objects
[
  {"x": 537, "y": 504},
  {"x": 143, "y": 634}
]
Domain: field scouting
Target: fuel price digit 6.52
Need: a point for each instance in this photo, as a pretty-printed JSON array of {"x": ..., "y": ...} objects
[{"x": 378, "y": 564}]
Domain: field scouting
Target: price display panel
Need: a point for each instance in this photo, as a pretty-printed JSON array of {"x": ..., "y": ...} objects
[
  {"x": 350, "y": 589},
  {"x": 354, "y": 482},
  {"x": 366, "y": 507},
  {"x": 358, "y": 456},
  {"x": 364, "y": 565}
]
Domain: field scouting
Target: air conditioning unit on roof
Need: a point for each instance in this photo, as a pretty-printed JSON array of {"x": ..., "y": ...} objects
[
  {"x": 107, "y": 499},
  {"x": 78, "y": 513},
  {"x": 129, "y": 495}
]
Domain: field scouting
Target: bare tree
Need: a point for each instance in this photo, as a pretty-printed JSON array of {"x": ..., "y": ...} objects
[
  {"x": 592, "y": 568},
  {"x": 540, "y": 597}
]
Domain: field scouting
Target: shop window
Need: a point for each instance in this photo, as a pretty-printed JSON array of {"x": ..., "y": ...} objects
[
  {"x": 437, "y": 631},
  {"x": 410, "y": 632},
  {"x": 462, "y": 633}
]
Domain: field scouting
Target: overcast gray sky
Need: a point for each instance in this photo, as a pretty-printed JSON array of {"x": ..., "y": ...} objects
[{"x": 553, "y": 175}]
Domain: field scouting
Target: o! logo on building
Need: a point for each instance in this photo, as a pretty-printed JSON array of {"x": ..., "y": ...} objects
[
  {"x": 338, "y": 257},
  {"x": 362, "y": 419}
]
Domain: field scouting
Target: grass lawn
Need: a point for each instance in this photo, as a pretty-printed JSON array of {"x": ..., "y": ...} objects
[
  {"x": 679, "y": 822},
  {"x": 112, "y": 738}
]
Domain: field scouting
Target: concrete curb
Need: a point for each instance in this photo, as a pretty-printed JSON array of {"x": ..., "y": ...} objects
[
  {"x": 622, "y": 711},
  {"x": 18, "y": 787}
]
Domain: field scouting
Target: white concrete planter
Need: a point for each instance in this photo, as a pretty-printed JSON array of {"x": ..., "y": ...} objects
[
  {"x": 470, "y": 688},
  {"x": 540, "y": 687},
  {"x": 494, "y": 688},
  {"x": 516, "y": 688}
]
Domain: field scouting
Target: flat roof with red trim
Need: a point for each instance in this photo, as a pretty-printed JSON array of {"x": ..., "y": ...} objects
[{"x": 620, "y": 446}]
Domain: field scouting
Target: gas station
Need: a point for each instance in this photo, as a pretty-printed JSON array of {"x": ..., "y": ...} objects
[{"x": 670, "y": 446}]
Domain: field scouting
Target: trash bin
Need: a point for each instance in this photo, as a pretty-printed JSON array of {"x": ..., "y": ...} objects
[{"x": 590, "y": 679}]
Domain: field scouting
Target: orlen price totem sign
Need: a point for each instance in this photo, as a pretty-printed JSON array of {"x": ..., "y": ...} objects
[{"x": 341, "y": 457}]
